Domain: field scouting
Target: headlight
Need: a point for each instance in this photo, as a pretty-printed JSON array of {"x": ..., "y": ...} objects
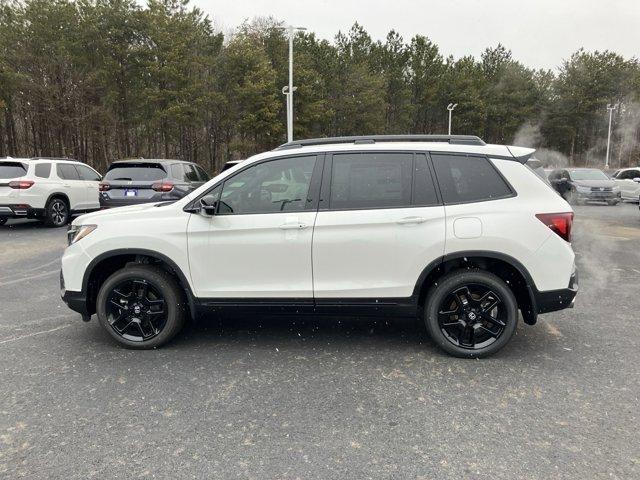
[
  {"x": 616, "y": 189},
  {"x": 78, "y": 232},
  {"x": 583, "y": 189}
]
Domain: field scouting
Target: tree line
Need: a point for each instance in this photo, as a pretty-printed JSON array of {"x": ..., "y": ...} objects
[{"x": 100, "y": 80}]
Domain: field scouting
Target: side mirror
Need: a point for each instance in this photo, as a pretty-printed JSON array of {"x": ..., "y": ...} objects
[{"x": 208, "y": 205}]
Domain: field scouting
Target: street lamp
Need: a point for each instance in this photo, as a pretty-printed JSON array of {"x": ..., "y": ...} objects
[
  {"x": 611, "y": 107},
  {"x": 450, "y": 107},
  {"x": 289, "y": 89}
]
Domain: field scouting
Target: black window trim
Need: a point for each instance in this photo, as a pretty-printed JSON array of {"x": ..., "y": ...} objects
[
  {"x": 513, "y": 191},
  {"x": 325, "y": 194},
  {"x": 314, "y": 185}
]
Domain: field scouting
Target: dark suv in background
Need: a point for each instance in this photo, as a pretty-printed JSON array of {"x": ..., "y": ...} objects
[
  {"x": 130, "y": 182},
  {"x": 578, "y": 185}
]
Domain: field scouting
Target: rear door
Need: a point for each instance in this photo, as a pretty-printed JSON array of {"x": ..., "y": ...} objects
[
  {"x": 91, "y": 180},
  {"x": 379, "y": 225},
  {"x": 629, "y": 189},
  {"x": 72, "y": 186}
]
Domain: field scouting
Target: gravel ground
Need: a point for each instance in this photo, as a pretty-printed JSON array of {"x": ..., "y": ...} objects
[{"x": 322, "y": 398}]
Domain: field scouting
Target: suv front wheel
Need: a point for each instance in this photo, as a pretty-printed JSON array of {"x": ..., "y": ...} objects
[
  {"x": 141, "y": 306},
  {"x": 471, "y": 313}
]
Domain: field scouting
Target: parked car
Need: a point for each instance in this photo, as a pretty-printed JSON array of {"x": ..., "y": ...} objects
[
  {"x": 446, "y": 228},
  {"x": 131, "y": 182},
  {"x": 628, "y": 180},
  {"x": 579, "y": 185},
  {"x": 49, "y": 189}
]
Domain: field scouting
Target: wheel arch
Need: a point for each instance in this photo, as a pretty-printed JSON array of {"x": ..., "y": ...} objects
[
  {"x": 60, "y": 195},
  {"x": 107, "y": 263},
  {"x": 510, "y": 270}
]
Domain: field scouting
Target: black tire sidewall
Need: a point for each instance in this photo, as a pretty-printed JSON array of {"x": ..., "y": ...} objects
[
  {"x": 458, "y": 279},
  {"x": 174, "y": 300},
  {"x": 3, "y": 220},
  {"x": 49, "y": 213}
]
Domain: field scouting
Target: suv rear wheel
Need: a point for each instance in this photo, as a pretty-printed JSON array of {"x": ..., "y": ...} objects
[
  {"x": 471, "y": 313},
  {"x": 3, "y": 220},
  {"x": 56, "y": 213},
  {"x": 141, "y": 306}
]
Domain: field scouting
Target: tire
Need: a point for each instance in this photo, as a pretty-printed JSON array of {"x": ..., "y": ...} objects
[
  {"x": 152, "y": 315},
  {"x": 3, "y": 220},
  {"x": 612, "y": 202},
  {"x": 57, "y": 213},
  {"x": 463, "y": 329}
]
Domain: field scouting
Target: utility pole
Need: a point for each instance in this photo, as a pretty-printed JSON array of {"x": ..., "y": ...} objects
[
  {"x": 450, "y": 107},
  {"x": 611, "y": 107},
  {"x": 289, "y": 89}
]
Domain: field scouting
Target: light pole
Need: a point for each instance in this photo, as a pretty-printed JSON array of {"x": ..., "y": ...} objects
[
  {"x": 450, "y": 107},
  {"x": 289, "y": 89},
  {"x": 611, "y": 107}
]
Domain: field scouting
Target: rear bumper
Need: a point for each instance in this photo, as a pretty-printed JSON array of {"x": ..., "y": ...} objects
[
  {"x": 554, "y": 300},
  {"x": 20, "y": 210}
]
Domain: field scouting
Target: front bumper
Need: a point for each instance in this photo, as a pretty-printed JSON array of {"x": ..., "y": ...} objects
[
  {"x": 599, "y": 196},
  {"x": 554, "y": 300},
  {"x": 76, "y": 301}
]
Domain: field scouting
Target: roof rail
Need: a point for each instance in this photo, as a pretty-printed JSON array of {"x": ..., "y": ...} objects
[
  {"x": 368, "y": 139},
  {"x": 55, "y": 158}
]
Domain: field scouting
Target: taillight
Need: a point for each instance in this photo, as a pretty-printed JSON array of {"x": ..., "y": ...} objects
[
  {"x": 162, "y": 186},
  {"x": 560, "y": 223},
  {"x": 21, "y": 184},
  {"x": 103, "y": 187}
]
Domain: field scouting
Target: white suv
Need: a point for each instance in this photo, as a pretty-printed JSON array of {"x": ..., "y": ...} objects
[
  {"x": 51, "y": 189},
  {"x": 446, "y": 228},
  {"x": 628, "y": 179}
]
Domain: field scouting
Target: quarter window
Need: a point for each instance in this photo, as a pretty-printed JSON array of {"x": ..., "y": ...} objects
[
  {"x": 465, "y": 179},
  {"x": 269, "y": 187},
  {"x": 371, "y": 180},
  {"x": 43, "y": 170},
  {"x": 424, "y": 192}
]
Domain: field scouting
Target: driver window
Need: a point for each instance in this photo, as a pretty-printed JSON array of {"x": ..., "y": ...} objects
[{"x": 269, "y": 187}]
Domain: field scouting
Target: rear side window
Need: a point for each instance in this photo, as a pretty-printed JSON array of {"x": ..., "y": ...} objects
[
  {"x": 87, "y": 174},
  {"x": 142, "y": 172},
  {"x": 371, "y": 180},
  {"x": 43, "y": 170},
  {"x": 191, "y": 174},
  {"x": 465, "y": 179},
  {"x": 67, "y": 171},
  {"x": 424, "y": 192},
  {"x": 203, "y": 175},
  {"x": 12, "y": 170},
  {"x": 178, "y": 172}
]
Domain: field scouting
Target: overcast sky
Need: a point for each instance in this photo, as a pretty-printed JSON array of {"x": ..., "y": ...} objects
[{"x": 540, "y": 33}]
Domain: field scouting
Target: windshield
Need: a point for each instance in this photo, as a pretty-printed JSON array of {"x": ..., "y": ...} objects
[
  {"x": 148, "y": 172},
  {"x": 12, "y": 170},
  {"x": 588, "y": 175}
]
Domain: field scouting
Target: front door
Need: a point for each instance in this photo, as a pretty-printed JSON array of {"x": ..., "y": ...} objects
[{"x": 258, "y": 243}]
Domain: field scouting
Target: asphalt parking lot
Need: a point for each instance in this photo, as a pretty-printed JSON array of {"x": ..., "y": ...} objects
[{"x": 322, "y": 398}]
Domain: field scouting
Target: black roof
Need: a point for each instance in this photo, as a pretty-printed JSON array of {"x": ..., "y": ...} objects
[{"x": 368, "y": 139}]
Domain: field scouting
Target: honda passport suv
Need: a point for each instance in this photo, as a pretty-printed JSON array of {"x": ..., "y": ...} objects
[
  {"x": 49, "y": 189},
  {"x": 444, "y": 228}
]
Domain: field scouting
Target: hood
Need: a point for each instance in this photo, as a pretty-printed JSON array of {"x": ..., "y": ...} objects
[
  {"x": 96, "y": 217},
  {"x": 594, "y": 183}
]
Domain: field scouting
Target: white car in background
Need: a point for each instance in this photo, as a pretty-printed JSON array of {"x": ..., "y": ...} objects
[
  {"x": 50, "y": 189},
  {"x": 628, "y": 179}
]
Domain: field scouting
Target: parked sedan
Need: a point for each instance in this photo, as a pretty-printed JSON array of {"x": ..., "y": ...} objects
[
  {"x": 579, "y": 185},
  {"x": 130, "y": 182},
  {"x": 628, "y": 180}
]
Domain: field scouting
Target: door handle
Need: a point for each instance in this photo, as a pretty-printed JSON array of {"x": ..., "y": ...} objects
[
  {"x": 411, "y": 220},
  {"x": 293, "y": 226}
]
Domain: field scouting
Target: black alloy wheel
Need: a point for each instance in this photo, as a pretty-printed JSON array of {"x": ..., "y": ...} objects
[
  {"x": 141, "y": 306},
  {"x": 471, "y": 313},
  {"x": 136, "y": 310}
]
